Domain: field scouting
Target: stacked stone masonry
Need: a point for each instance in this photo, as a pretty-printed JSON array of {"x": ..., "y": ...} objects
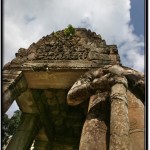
[
  {"x": 60, "y": 115},
  {"x": 83, "y": 45}
]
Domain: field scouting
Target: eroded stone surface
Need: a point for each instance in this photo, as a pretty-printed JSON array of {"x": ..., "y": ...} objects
[
  {"x": 67, "y": 121},
  {"x": 26, "y": 102},
  {"x": 83, "y": 46},
  {"x": 113, "y": 80},
  {"x": 119, "y": 121},
  {"x": 95, "y": 132},
  {"x": 51, "y": 66},
  {"x": 14, "y": 83},
  {"x": 136, "y": 118}
]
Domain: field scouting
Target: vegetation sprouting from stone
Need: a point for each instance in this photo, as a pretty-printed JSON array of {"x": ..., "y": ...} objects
[
  {"x": 70, "y": 30},
  {"x": 56, "y": 34}
]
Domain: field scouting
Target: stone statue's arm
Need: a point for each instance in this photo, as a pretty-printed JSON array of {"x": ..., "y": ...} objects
[
  {"x": 102, "y": 79},
  {"x": 81, "y": 90},
  {"x": 79, "y": 93},
  {"x": 84, "y": 87}
]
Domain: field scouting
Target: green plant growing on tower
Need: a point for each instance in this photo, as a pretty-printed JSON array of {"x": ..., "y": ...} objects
[
  {"x": 56, "y": 34},
  {"x": 70, "y": 30}
]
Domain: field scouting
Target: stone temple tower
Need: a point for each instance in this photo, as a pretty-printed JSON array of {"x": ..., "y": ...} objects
[{"x": 54, "y": 115}]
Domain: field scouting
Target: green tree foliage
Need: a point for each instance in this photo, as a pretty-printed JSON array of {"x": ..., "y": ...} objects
[
  {"x": 5, "y": 134},
  {"x": 9, "y": 125},
  {"x": 69, "y": 31}
]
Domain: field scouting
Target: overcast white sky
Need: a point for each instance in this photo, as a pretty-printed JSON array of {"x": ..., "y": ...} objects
[{"x": 26, "y": 21}]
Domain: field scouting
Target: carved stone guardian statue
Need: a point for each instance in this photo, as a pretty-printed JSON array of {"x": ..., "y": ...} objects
[{"x": 110, "y": 123}]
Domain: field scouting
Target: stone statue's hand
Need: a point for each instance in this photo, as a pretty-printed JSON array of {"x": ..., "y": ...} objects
[
  {"x": 105, "y": 82},
  {"x": 122, "y": 70},
  {"x": 115, "y": 69},
  {"x": 102, "y": 83},
  {"x": 135, "y": 79}
]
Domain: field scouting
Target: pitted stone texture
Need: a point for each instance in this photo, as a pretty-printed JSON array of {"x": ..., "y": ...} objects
[
  {"x": 80, "y": 52},
  {"x": 136, "y": 118},
  {"x": 41, "y": 141},
  {"x": 84, "y": 46},
  {"x": 119, "y": 121},
  {"x": 26, "y": 102},
  {"x": 66, "y": 120},
  {"x": 14, "y": 83},
  {"x": 95, "y": 132},
  {"x": 93, "y": 135}
]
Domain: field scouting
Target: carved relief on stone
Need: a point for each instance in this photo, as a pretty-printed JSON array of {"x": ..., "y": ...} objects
[{"x": 83, "y": 45}]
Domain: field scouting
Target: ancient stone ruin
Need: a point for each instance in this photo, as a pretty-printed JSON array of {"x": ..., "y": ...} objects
[{"x": 74, "y": 94}]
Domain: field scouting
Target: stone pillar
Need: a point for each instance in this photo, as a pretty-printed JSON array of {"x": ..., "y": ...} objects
[
  {"x": 42, "y": 107},
  {"x": 119, "y": 121},
  {"x": 14, "y": 83},
  {"x": 26, "y": 132},
  {"x": 94, "y": 133}
]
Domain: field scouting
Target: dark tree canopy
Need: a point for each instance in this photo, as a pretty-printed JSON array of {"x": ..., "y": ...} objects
[{"x": 9, "y": 125}]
